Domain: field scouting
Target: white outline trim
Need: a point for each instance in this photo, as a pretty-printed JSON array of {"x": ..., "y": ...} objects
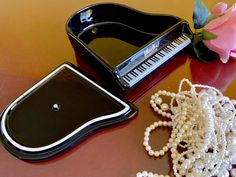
[{"x": 30, "y": 149}]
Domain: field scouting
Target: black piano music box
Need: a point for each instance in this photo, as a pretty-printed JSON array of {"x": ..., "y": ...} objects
[{"x": 124, "y": 45}]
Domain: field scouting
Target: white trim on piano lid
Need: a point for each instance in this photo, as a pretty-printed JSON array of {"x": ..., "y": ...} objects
[
  {"x": 156, "y": 60},
  {"x": 48, "y": 77}
]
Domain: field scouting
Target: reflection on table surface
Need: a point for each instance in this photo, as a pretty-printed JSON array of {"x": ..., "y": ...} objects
[{"x": 34, "y": 41}]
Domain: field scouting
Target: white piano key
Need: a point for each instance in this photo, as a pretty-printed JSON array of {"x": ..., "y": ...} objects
[
  {"x": 152, "y": 62},
  {"x": 130, "y": 76},
  {"x": 137, "y": 71}
]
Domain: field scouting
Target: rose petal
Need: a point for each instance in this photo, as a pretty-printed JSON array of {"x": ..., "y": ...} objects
[
  {"x": 219, "y": 9},
  {"x": 233, "y": 53},
  {"x": 226, "y": 37},
  {"x": 223, "y": 54},
  {"x": 222, "y": 19},
  {"x": 233, "y": 8},
  {"x": 224, "y": 59}
]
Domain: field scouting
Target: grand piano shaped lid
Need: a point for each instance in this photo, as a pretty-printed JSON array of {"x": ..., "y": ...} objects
[
  {"x": 125, "y": 45},
  {"x": 58, "y": 112}
]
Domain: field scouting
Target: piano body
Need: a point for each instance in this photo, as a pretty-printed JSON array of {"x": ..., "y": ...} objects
[{"x": 124, "y": 45}]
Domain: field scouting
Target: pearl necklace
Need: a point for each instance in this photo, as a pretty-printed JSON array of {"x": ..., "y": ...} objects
[{"x": 203, "y": 137}]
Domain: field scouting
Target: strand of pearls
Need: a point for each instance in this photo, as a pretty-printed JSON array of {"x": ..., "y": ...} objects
[{"x": 203, "y": 137}]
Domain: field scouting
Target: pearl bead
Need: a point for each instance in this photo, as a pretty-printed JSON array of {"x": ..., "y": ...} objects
[
  {"x": 158, "y": 100},
  {"x": 151, "y": 102},
  {"x": 177, "y": 140},
  {"x": 173, "y": 156},
  {"x": 168, "y": 115},
  {"x": 156, "y": 109},
  {"x": 165, "y": 123},
  {"x": 160, "y": 112},
  {"x": 150, "y": 174},
  {"x": 185, "y": 127},
  {"x": 156, "y": 124},
  {"x": 171, "y": 140},
  {"x": 164, "y": 106},
  {"x": 223, "y": 173},
  {"x": 233, "y": 102},
  {"x": 163, "y": 114},
  {"x": 145, "y": 143},
  {"x": 154, "y": 106},
  {"x": 172, "y": 94},
  {"x": 169, "y": 124},
  {"x": 151, "y": 152},
  {"x": 156, "y": 154},
  {"x": 190, "y": 175},
  {"x": 148, "y": 148},
  {"x": 160, "y": 123},
  {"x": 139, "y": 174},
  {"x": 182, "y": 159},
  {"x": 152, "y": 127},
  {"x": 145, "y": 173},
  {"x": 165, "y": 148},
  {"x": 153, "y": 97},
  {"x": 162, "y": 152},
  {"x": 233, "y": 172},
  {"x": 164, "y": 92},
  {"x": 178, "y": 126},
  {"x": 179, "y": 135},
  {"x": 182, "y": 172}
]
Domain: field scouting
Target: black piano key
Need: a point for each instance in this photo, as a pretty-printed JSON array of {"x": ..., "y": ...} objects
[
  {"x": 170, "y": 48},
  {"x": 172, "y": 45},
  {"x": 154, "y": 59},
  {"x": 127, "y": 78},
  {"x": 131, "y": 76},
  {"x": 158, "y": 56},
  {"x": 184, "y": 37},
  {"x": 161, "y": 54},
  {"x": 143, "y": 66},
  {"x": 148, "y": 64},
  {"x": 176, "y": 41},
  {"x": 140, "y": 69},
  {"x": 181, "y": 41},
  {"x": 151, "y": 62},
  {"x": 165, "y": 50},
  {"x": 175, "y": 44},
  {"x": 164, "y": 53},
  {"x": 133, "y": 73},
  {"x": 136, "y": 71}
]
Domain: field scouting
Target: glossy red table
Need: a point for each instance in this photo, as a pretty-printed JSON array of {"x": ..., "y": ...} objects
[{"x": 34, "y": 41}]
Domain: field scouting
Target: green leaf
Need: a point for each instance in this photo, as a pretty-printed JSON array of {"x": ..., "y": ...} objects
[
  {"x": 206, "y": 35},
  {"x": 200, "y": 14},
  {"x": 211, "y": 17},
  {"x": 201, "y": 51}
]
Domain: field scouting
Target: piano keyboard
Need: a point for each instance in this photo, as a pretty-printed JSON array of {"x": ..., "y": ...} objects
[{"x": 156, "y": 60}]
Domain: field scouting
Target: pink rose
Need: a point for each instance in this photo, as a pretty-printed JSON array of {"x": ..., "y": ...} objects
[{"x": 224, "y": 27}]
